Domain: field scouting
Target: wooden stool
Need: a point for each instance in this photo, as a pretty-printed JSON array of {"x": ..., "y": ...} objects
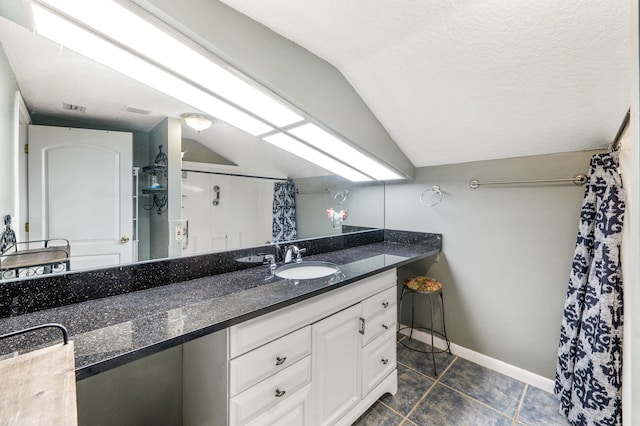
[{"x": 430, "y": 289}]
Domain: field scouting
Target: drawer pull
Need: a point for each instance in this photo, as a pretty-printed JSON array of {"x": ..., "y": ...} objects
[
  {"x": 386, "y": 327},
  {"x": 279, "y": 393},
  {"x": 384, "y": 361},
  {"x": 280, "y": 361},
  {"x": 385, "y": 304}
]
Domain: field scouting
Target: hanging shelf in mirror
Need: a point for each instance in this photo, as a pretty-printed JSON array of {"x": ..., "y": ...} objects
[{"x": 157, "y": 186}]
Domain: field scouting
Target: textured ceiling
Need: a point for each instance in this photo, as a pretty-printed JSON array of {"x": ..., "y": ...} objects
[{"x": 460, "y": 80}]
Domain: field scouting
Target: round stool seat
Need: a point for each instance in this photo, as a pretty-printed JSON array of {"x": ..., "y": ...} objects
[
  {"x": 423, "y": 284},
  {"x": 429, "y": 289}
]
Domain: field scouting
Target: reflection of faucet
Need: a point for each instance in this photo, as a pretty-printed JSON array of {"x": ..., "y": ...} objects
[
  {"x": 293, "y": 250},
  {"x": 279, "y": 255},
  {"x": 271, "y": 260}
]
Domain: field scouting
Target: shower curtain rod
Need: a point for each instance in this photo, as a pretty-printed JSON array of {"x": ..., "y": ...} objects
[
  {"x": 579, "y": 179},
  {"x": 235, "y": 174},
  {"x": 323, "y": 191},
  {"x": 615, "y": 145}
]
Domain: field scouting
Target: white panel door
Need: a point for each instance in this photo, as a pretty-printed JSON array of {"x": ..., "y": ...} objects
[
  {"x": 335, "y": 365},
  {"x": 80, "y": 189}
]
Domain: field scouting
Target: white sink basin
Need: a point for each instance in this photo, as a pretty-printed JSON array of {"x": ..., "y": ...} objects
[{"x": 306, "y": 270}]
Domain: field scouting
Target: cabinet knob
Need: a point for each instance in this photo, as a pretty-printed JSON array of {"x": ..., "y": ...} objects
[
  {"x": 280, "y": 360},
  {"x": 279, "y": 393},
  {"x": 386, "y": 327},
  {"x": 124, "y": 239},
  {"x": 385, "y": 304},
  {"x": 384, "y": 361}
]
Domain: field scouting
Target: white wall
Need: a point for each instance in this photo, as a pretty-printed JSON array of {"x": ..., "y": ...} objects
[{"x": 507, "y": 251}]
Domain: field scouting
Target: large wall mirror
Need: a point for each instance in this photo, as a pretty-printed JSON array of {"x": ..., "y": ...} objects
[{"x": 82, "y": 121}]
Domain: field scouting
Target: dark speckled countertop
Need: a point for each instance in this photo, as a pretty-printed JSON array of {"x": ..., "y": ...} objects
[{"x": 111, "y": 331}]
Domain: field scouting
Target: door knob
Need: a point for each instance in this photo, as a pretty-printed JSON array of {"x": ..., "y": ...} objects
[{"x": 124, "y": 239}]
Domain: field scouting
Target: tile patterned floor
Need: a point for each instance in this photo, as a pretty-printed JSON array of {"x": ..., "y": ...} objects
[{"x": 462, "y": 394}]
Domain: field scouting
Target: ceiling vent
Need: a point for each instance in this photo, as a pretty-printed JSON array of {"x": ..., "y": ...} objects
[
  {"x": 138, "y": 111},
  {"x": 72, "y": 107}
]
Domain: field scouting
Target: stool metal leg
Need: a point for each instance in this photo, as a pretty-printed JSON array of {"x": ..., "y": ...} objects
[
  {"x": 444, "y": 327},
  {"x": 412, "y": 317},
  {"x": 433, "y": 351},
  {"x": 431, "y": 330}
]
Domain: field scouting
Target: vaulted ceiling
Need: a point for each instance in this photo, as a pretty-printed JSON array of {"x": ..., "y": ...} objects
[
  {"x": 457, "y": 81},
  {"x": 451, "y": 81}
]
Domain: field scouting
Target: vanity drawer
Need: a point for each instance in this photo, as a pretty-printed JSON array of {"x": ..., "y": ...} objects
[
  {"x": 295, "y": 411},
  {"x": 379, "y": 324},
  {"x": 380, "y": 302},
  {"x": 256, "y": 332},
  {"x": 378, "y": 360},
  {"x": 247, "y": 405},
  {"x": 252, "y": 367}
]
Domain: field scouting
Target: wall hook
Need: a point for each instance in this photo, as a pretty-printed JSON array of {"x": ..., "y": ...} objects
[{"x": 435, "y": 193}]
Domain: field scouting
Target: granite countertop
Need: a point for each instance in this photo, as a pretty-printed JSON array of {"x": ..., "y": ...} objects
[{"x": 112, "y": 331}]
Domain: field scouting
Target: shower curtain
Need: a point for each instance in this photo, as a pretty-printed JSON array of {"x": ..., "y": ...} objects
[
  {"x": 589, "y": 368},
  {"x": 284, "y": 212}
]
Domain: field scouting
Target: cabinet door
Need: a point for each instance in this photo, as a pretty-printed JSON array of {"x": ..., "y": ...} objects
[{"x": 336, "y": 366}]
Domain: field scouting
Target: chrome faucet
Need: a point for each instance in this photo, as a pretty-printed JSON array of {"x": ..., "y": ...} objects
[{"x": 291, "y": 251}]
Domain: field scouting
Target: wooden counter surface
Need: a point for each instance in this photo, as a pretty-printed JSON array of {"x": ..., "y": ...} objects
[{"x": 39, "y": 388}]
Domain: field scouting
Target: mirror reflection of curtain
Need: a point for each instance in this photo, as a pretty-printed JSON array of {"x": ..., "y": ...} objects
[{"x": 284, "y": 212}]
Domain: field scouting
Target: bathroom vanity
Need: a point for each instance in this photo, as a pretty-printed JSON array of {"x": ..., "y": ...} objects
[
  {"x": 250, "y": 346},
  {"x": 322, "y": 361}
]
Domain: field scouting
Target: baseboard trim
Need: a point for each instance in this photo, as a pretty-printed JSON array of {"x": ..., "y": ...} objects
[{"x": 517, "y": 373}]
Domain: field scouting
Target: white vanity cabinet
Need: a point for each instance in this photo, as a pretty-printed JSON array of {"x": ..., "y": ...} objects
[{"x": 322, "y": 361}]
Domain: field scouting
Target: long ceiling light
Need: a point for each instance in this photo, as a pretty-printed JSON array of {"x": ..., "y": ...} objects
[
  {"x": 134, "y": 46},
  {"x": 326, "y": 142},
  {"x": 122, "y": 25},
  {"x": 64, "y": 32},
  {"x": 295, "y": 147}
]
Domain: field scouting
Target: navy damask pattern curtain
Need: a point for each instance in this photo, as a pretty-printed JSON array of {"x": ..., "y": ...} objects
[
  {"x": 284, "y": 212},
  {"x": 589, "y": 368}
]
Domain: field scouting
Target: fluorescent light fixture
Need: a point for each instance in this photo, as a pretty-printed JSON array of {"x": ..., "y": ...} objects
[
  {"x": 295, "y": 147},
  {"x": 326, "y": 142},
  {"x": 136, "y": 33},
  {"x": 155, "y": 57},
  {"x": 61, "y": 31}
]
